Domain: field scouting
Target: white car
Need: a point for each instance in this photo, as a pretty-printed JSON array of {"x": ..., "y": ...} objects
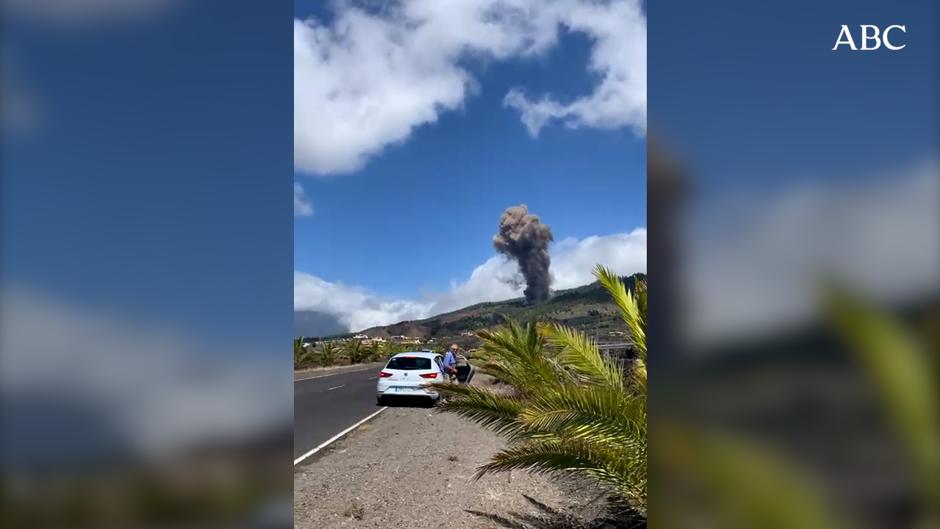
[{"x": 406, "y": 374}]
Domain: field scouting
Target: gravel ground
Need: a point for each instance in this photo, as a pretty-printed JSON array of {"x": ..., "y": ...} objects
[{"x": 413, "y": 468}]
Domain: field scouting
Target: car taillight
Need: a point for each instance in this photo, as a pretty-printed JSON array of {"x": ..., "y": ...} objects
[
  {"x": 429, "y": 375},
  {"x": 384, "y": 374}
]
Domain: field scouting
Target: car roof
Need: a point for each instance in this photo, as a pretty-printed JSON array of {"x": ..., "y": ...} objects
[{"x": 422, "y": 354}]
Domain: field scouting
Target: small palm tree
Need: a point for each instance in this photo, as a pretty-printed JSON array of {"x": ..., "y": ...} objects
[
  {"x": 569, "y": 408},
  {"x": 302, "y": 355},
  {"x": 328, "y": 353},
  {"x": 384, "y": 350},
  {"x": 358, "y": 353}
]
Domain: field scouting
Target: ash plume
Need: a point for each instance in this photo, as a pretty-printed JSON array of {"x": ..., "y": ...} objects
[{"x": 524, "y": 238}]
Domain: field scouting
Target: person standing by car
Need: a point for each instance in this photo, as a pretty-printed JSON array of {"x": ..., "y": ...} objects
[
  {"x": 464, "y": 369},
  {"x": 450, "y": 362}
]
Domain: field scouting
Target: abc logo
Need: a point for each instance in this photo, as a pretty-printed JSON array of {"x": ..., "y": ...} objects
[{"x": 870, "y": 37}]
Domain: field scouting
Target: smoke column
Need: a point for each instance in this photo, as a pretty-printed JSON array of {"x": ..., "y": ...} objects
[{"x": 523, "y": 237}]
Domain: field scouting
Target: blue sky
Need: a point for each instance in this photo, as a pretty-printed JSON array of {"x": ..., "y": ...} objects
[
  {"x": 768, "y": 81},
  {"x": 802, "y": 162},
  {"x": 418, "y": 216},
  {"x": 154, "y": 184},
  {"x": 146, "y": 227}
]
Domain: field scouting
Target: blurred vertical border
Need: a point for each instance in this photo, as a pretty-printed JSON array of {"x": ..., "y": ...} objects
[
  {"x": 146, "y": 294},
  {"x": 794, "y": 267}
]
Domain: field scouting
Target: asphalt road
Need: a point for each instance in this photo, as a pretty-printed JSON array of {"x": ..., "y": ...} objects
[{"x": 328, "y": 404}]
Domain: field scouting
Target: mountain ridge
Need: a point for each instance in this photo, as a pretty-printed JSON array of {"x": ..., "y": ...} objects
[{"x": 587, "y": 308}]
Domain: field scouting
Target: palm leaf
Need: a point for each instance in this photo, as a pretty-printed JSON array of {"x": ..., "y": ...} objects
[
  {"x": 742, "y": 485},
  {"x": 608, "y": 465},
  {"x": 629, "y": 308},
  {"x": 580, "y": 353},
  {"x": 595, "y": 413},
  {"x": 900, "y": 368},
  {"x": 487, "y": 408}
]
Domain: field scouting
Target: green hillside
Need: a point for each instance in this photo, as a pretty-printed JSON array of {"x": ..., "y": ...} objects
[{"x": 587, "y": 308}]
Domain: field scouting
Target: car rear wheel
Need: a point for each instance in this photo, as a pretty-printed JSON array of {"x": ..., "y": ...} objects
[{"x": 380, "y": 401}]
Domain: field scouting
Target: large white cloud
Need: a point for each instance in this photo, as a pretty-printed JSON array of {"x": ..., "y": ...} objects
[
  {"x": 494, "y": 280},
  {"x": 573, "y": 260},
  {"x": 355, "y": 307},
  {"x": 157, "y": 387},
  {"x": 618, "y": 58},
  {"x": 879, "y": 234},
  {"x": 368, "y": 78}
]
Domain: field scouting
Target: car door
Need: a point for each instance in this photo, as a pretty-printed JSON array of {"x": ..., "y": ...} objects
[{"x": 439, "y": 362}]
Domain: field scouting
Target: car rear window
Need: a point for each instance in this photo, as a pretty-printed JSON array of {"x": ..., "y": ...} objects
[{"x": 409, "y": 363}]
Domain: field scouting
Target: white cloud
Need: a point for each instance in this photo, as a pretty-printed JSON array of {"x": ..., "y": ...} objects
[
  {"x": 618, "y": 58},
  {"x": 494, "y": 280},
  {"x": 369, "y": 78},
  {"x": 879, "y": 234},
  {"x": 159, "y": 388},
  {"x": 354, "y": 306},
  {"x": 574, "y": 260},
  {"x": 302, "y": 205}
]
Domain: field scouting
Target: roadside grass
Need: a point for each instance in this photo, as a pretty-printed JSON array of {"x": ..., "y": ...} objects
[{"x": 351, "y": 352}]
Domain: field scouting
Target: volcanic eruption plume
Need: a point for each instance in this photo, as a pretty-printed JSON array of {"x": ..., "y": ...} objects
[{"x": 523, "y": 237}]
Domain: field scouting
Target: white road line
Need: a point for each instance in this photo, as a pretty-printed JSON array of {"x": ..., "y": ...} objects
[
  {"x": 333, "y": 439},
  {"x": 336, "y": 387},
  {"x": 373, "y": 378}
]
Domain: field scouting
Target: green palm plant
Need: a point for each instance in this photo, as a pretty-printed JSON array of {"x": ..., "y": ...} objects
[
  {"x": 751, "y": 486},
  {"x": 568, "y": 408},
  {"x": 358, "y": 353},
  {"x": 302, "y": 355},
  {"x": 385, "y": 350},
  {"x": 328, "y": 354}
]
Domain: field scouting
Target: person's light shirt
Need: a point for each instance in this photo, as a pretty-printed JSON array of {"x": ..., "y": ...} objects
[{"x": 450, "y": 359}]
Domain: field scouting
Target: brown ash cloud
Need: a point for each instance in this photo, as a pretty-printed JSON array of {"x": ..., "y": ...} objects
[{"x": 525, "y": 239}]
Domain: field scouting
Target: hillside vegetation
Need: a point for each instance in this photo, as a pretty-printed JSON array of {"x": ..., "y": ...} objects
[{"x": 587, "y": 309}]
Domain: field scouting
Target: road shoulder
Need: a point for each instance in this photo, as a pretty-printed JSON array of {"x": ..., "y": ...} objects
[{"x": 414, "y": 467}]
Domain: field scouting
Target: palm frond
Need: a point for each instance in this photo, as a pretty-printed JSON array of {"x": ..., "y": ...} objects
[
  {"x": 580, "y": 353},
  {"x": 609, "y": 465},
  {"x": 743, "y": 484},
  {"x": 516, "y": 355},
  {"x": 602, "y": 415},
  {"x": 495, "y": 411},
  {"x": 899, "y": 365},
  {"x": 629, "y": 308}
]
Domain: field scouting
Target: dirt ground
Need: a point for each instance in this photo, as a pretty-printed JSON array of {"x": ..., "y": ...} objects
[{"x": 413, "y": 468}]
